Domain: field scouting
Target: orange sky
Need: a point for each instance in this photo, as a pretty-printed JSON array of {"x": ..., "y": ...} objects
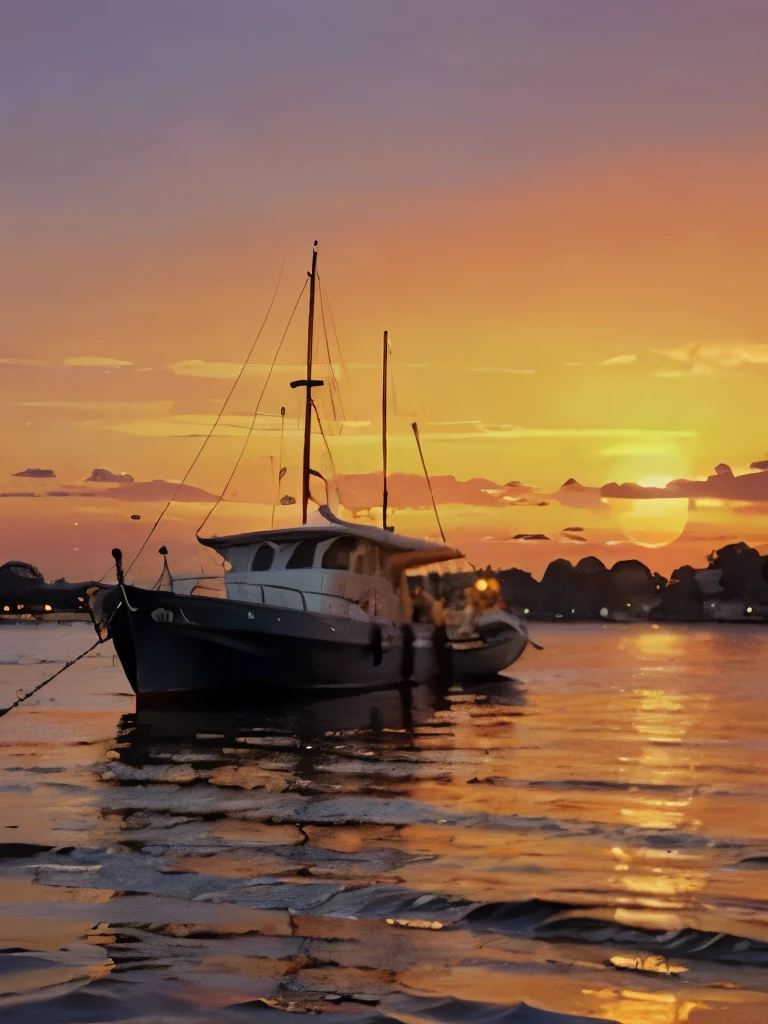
[{"x": 566, "y": 237}]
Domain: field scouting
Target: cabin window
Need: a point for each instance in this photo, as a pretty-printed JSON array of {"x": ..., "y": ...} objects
[
  {"x": 263, "y": 558},
  {"x": 337, "y": 554},
  {"x": 302, "y": 556},
  {"x": 365, "y": 560}
]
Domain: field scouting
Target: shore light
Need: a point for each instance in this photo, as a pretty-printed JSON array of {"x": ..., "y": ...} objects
[
  {"x": 48, "y": 608},
  {"x": 481, "y": 585}
]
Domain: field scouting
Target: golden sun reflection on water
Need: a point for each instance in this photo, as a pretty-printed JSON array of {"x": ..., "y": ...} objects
[
  {"x": 631, "y": 1006},
  {"x": 662, "y": 718}
]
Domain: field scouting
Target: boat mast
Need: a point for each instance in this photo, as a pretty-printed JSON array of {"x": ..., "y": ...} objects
[
  {"x": 384, "y": 426},
  {"x": 308, "y": 384},
  {"x": 308, "y": 403}
]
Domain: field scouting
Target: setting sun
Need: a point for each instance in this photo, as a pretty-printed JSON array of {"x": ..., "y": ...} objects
[{"x": 651, "y": 522}]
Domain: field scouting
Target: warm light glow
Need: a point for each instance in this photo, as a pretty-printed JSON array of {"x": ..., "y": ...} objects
[
  {"x": 481, "y": 585},
  {"x": 48, "y": 608},
  {"x": 652, "y": 964}
]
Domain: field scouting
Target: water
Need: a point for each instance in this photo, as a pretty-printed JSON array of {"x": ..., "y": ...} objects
[{"x": 589, "y": 838}]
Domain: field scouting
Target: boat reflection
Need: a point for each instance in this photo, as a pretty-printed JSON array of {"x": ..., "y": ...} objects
[{"x": 376, "y": 715}]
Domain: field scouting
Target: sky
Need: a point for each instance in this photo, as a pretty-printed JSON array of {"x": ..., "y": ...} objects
[{"x": 557, "y": 210}]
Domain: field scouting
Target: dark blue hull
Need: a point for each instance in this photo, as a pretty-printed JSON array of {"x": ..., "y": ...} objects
[{"x": 210, "y": 650}]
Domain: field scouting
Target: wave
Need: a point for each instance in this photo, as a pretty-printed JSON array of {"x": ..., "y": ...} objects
[{"x": 724, "y": 941}]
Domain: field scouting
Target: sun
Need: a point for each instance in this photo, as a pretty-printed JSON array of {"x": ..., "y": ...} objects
[{"x": 650, "y": 522}]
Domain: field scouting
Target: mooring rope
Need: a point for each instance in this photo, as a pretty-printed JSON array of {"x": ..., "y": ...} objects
[{"x": 69, "y": 664}]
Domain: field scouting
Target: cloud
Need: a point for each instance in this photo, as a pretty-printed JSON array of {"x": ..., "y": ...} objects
[
  {"x": 497, "y": 369},
  {"x": 361, "y": 491},
  {"x": 19, "y": 494},
  {"x": 159, "y": 490},
  {"x": 377, "y": 366},
  {"x": 83, "y": 361},
  {"x": 38, "y": 474},
  {"x": 572, "y": 529},
  {"x": 200, "y": 424},
  {"x": 752, "y": 508},
  {"x": 762, "y": 464},
  {"x": 648, "y": 447},
  {"x": 576, "y": 495},
  {"x": 530, "y": 536},
  {"x": 70, "y": 494},
  {"x": 106, "y": 476},
  {"x": 454, "y": 423},
  {"x": 626, "y": 360},
  {"x": 509, "y": 432},
  {"x": 201, "y": 368},
  {"x": 722, "y": 484},
  {"x": 229, "y": 371},
  {"x": 704, "y": 358},
  {"x": 96, "y": 409},
  {"x": 24, "y": 362},
  {"x": 95, "y": 361}
]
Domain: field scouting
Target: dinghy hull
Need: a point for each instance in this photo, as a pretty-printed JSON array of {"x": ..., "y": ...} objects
[
  {"x": 480, "y": 660},
  {"x": 500, "y": 639}
]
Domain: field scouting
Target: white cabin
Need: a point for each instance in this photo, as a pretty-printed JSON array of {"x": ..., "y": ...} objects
[{"x": 336, "y": 568}]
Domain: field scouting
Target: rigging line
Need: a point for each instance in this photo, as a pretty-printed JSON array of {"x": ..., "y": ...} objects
[
  {"x": 255, "y": 412},
  {"x": 334, "y": 378},
  {"x": 328, "y": 352},
  {"x": 395, "y": 404},
  {"x": 325, "y": 439},
  {"x": 415, "y": 429},
  {"x": 335, "y": 334},
  {"x": 215, "y": 425},
  {"x": 323, "y": 299}
]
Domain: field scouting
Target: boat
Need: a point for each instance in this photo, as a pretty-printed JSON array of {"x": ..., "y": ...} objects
[
  {"x": 321, "y": 605},
  {"x": 499, "y": 639},
  {"x": 484, "y": 638},
  {"x": 25, "y": 595}
]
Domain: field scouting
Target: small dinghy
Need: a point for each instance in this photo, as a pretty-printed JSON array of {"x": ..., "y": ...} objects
[
  {"x": 483, "y": 637},
  {"x": 500, "y": 638}
]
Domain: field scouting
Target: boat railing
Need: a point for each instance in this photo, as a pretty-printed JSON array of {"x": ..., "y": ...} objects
[
  {"x": 263, "y": 587},
  {"x": 302, "y": 593}
]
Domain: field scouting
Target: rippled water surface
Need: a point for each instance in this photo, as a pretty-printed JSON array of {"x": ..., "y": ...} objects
[{"x": 588, "y": 838}]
